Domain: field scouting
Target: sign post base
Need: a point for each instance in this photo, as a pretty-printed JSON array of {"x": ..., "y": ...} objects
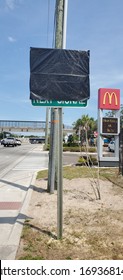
[{"x": 109, "y": 162}]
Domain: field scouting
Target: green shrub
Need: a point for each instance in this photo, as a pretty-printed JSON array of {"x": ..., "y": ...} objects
[
  {"x": 92, "y": 150},
  {"x": 87, "y": 160},
  {"x": 82, "y": 160},
  {"x": 94, "y": 160},
  {"x": 71, "y": 149},
  {"x": 72, "y": 144}
]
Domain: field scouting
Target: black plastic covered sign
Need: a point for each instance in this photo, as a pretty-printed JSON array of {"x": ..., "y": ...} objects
[{"x": 58, "y": 74}]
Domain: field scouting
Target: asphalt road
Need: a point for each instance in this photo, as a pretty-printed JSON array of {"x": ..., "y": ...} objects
[
  {"x": 9, "y": 155},
  {"x": 21, "y": 157}
]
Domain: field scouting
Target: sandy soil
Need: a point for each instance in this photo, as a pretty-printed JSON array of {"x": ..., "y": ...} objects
[{"x": 92, "y": 228}]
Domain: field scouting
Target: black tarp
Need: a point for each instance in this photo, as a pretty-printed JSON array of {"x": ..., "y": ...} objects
[{"x": 58, "y": 74}]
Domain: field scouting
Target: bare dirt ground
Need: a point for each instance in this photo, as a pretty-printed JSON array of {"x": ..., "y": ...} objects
[{"x": 92, "y": 228}]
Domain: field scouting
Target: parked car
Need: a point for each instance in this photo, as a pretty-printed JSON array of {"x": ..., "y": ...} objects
[
  {"x": 10, "y": 141},
  {"x": 111, "y": 146},
  {"x": 2, "y": 141},
  {"x": 18, "y": 142},
  {"x": 37, "y": 140},
  {"x": 106, "y": 140}
]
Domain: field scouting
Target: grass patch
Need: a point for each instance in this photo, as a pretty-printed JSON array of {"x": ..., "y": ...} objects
[
  {"x": 71, "y": 172},
  {"x": 40, "y": 243},
  {"x": 112, "y": 175},
  {"x": 42, "y": 174}
]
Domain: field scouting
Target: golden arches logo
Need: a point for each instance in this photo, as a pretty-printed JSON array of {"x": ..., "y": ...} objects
[{"x": 110, "y": 96}]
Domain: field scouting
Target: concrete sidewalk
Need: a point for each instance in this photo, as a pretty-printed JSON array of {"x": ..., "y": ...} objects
[{"x": 15, "y": 192}]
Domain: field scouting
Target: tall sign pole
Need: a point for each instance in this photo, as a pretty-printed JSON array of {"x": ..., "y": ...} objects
[{"x": 60, "y": 42}]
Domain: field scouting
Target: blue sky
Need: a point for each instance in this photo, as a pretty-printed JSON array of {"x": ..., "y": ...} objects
[{"x": 95, "y": 25}]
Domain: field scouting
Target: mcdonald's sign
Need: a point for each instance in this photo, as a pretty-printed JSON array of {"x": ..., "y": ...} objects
[{"x": 109, "y": 99}]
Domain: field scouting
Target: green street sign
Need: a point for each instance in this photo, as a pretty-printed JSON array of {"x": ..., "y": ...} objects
[{"x": 59, "y": 103}]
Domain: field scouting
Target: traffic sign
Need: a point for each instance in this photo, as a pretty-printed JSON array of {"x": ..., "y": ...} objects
[{"x": 59, "y": 103}]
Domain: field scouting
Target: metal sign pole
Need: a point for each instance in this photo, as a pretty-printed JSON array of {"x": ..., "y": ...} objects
[
  {"x": 100, "y": 140},
  {"x": 60, "y": 178},
  {"x": 60, "y": 139}
]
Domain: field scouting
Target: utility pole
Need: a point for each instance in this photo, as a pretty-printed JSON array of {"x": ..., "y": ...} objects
[
  {"x": 54, "y": 145},
  {"x": 60, "y": 42},
  {"x": 56, "y": 139},
  {"x": 59, "y": 174}
]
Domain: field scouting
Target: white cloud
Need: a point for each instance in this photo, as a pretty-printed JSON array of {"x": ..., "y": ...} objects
[
  {"x": 10, "y": 4},
  {"x": 11, "y": 39}
]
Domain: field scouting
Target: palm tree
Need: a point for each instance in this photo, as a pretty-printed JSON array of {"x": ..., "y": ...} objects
[{"x": 85, "y": 128}]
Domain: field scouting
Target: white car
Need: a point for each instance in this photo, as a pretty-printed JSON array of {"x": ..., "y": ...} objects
[
  {"x": 111, "y": 146},
  {"x": 18, "y": 142},
  {"x": 10, "y": 141}
]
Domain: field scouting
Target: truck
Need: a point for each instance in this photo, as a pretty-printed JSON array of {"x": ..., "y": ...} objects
[{"x": 9, "y": 141}]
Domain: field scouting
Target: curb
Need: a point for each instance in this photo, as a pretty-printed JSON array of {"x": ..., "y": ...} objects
[{"x": 15, "y": 235}]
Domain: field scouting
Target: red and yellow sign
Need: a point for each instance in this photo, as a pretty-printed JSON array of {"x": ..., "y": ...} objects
[{"x": 109, "y": 99}]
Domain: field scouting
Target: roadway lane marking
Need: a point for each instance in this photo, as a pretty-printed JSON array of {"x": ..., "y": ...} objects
[{"x": 29, "y": 169}]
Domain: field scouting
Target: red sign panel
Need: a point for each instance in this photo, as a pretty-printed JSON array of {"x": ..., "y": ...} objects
[{"x": 109, "y": 99}]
